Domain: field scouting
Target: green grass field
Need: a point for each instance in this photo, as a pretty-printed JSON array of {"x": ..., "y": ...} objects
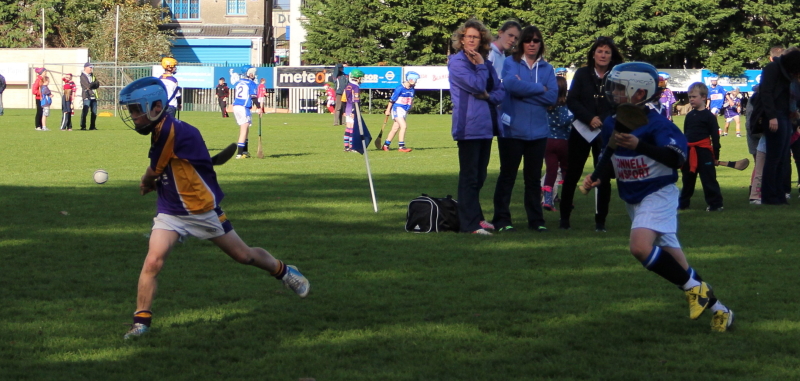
[{"x": 385, "y": 304}]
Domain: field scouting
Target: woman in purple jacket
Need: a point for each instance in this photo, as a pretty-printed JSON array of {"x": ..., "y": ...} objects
[
  {"x": 530, "y": 85},
  {"x": 476, "y": 91}
]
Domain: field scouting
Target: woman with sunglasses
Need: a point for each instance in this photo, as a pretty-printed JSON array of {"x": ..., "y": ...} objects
[
  {"x": 530, "y": 84},
  {"x": 587, "y": 100},
  {"x": 476, "y": 92}
]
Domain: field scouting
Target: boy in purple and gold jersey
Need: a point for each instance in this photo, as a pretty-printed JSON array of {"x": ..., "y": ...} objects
[
  {"x": 351, "y": 97},
  {"x": 182, "y": 173}
]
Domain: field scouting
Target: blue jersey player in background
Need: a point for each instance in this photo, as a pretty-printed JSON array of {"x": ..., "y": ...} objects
[
  {"x": 398, "y": 108},
  {"x": 646, "y": 162},
  {"x": 244, "y": 91},
  {"x": 716, "y": 97},
  {"x": 182, "y": 174}
]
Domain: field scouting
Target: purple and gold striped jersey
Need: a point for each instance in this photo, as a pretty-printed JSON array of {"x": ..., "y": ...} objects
[{"x": 187, "y": 183}]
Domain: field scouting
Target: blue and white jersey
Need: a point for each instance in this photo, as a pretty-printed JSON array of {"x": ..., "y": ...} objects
[
  {"x": 716, "y": 95},
  {"x": 173, "y": 91},
  {"x": 243, "y": 93},
  {"x": 402, "y": 97},
  {"x": 639, "y": 175}
]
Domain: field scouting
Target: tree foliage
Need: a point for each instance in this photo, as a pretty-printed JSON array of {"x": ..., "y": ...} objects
[
  {"x": 86, "y": 23},
  {"x": 725, "y": 36}
]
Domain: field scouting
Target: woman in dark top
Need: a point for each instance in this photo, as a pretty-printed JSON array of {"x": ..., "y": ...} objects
[{"x": 586, "y": 99}]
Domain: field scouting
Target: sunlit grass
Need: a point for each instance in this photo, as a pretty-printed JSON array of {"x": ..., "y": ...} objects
[{"x": 385, "y": 304}]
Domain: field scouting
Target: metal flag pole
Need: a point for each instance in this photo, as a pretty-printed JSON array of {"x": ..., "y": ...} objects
[{"x": 366, "y": 157}]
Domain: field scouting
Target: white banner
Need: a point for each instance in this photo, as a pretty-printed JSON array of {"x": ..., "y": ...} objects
[
  {"x": 15, "y": 73},
  {"x": 430, "y": 77}
]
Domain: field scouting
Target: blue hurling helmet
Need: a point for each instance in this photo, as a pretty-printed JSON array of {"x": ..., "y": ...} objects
[
  {"x": 626, "y": 80},
  {"x": 137, "y": 100}
]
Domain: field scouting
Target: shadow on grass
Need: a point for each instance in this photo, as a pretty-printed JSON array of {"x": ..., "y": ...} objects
[{"x": 385, "y": 304}]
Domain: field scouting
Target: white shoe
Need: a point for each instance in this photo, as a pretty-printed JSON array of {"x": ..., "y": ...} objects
[
  {"x": 481, "y": 232},
  {"x": 45, "y": 129},
  {"x": 295, "y": 281}
]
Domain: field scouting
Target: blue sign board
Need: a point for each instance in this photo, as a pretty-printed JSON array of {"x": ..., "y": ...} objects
[
  {"x": 379, "y": 77},
  {"x": 745, "y": 82},
  {"x": 231, "y": 75}
]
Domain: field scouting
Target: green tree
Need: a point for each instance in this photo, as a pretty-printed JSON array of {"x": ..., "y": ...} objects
[{"x": 139, "y": 37}]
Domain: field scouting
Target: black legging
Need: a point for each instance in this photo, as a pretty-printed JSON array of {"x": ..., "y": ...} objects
[
  {"x": 39, "y": 111},
  {"x": 579, "y": 150}
]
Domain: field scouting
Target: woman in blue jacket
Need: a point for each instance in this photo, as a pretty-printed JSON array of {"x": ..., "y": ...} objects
[
  {"x": 476, "y": 92},
  {"x": 531, "y": 88}
]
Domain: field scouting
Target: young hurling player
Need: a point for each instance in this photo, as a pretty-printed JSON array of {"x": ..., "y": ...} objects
[
  {"x": 182, "y": 174},
  {"x": 171, "y": 83},
  {"x": 243, "y": 93},
  {"x": 645, "y": 163},
  {"x": 398, "y": 107},
  {"x": 351, "y": 97}
]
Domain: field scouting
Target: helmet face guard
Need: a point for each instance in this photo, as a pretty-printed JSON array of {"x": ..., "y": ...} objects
[
  {"x": 633, "y": 82},
  {"x": 412, "y": 77},
  {"x": 169, "y": 63},
  {"x": 137, "y": 101}
]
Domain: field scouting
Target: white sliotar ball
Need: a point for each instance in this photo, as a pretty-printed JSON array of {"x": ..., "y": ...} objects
[{"x": 100, "y": 176}]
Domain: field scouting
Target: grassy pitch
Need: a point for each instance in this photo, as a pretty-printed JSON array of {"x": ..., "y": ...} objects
[{"x": 385, "y": 304}]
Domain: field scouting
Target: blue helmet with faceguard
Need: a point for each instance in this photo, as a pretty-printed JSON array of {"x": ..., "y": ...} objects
[
  {"x": 632, "y": 82},
  {"x": 137, "y": 100}
]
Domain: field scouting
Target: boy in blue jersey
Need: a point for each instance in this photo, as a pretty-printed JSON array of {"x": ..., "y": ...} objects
[
  {"x": 649, "y": 151},
  {"x": 244, "y": 90},
  {"x": 182, "y": 174},
  {"x": 716, "y": 98},
  {"x": 351, "y": 96},
  {"x": 398, "y": 108}
]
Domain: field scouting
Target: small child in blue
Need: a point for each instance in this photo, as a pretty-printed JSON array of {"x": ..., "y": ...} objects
[
  {"x": 46, "y": 101},
  {"x": 646, "y": 162},
  {"x": 556, "y": 153},
  {"x": 398, "y": 107}
]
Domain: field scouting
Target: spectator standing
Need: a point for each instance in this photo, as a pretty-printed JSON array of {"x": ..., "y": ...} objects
[
  {"x": 46, "y": 101},
  {"x": 340, "y": 82},
  {"x": 330, "y": 97},
  {"x": 701, "y": 130},
  {"x": 476, "y": 92},
  {"x": 774, "y": 93},
  {"x": 506, "y": 41},
  {"x": 66, "y": 103},
  {"x": 222, "y": 96},
  {"x": 2, "y": 89},
  {"x": 530, "y": 88},
  {"x": 261, "y": 95},
  {"x": 556, "y": 156},
  {"x": 36, "y": 89},
  {"x": 89, "y": 84},
  {"x": 587, "y": 100}
]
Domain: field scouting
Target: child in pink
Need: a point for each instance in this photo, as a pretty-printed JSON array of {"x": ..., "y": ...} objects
[{"x": 555, "y": 155}]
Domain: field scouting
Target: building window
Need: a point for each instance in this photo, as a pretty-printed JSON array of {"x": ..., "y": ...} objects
[
  {"x": 237, "y": 7},
  {"x": 183, "y": 9}
]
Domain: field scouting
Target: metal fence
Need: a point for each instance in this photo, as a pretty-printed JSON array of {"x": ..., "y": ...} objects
[{"x": 113, "y": 78}]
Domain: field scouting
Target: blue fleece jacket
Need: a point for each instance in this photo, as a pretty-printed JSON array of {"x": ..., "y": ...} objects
[
  {"x": 473, "y": 117},
  {"x": 529, "y": 92}
]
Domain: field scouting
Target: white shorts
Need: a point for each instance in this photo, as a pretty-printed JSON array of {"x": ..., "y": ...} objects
[
  {"x": 203, "y": 226},
  {"x": 658, "y": 212},
  {"x": 398, "y": 112},
  {"x": 242, "y": 115},
  {"x": 731, "y": 118},
  {"x": 349, "y": 120},
  {"x": 46, "y": 111},
  {"x": 715, "y": 111}
]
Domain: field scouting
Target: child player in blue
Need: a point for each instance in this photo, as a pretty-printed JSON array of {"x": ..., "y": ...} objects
[
  {"x": 398, "y": 107},
  {"x": 244, "y": 90},
  {"x": 351, "y": 96},
  {"x": 649, "y": 150},
  {"x": 182, "y": 174},
  {"x": 716, "y": 97}
]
